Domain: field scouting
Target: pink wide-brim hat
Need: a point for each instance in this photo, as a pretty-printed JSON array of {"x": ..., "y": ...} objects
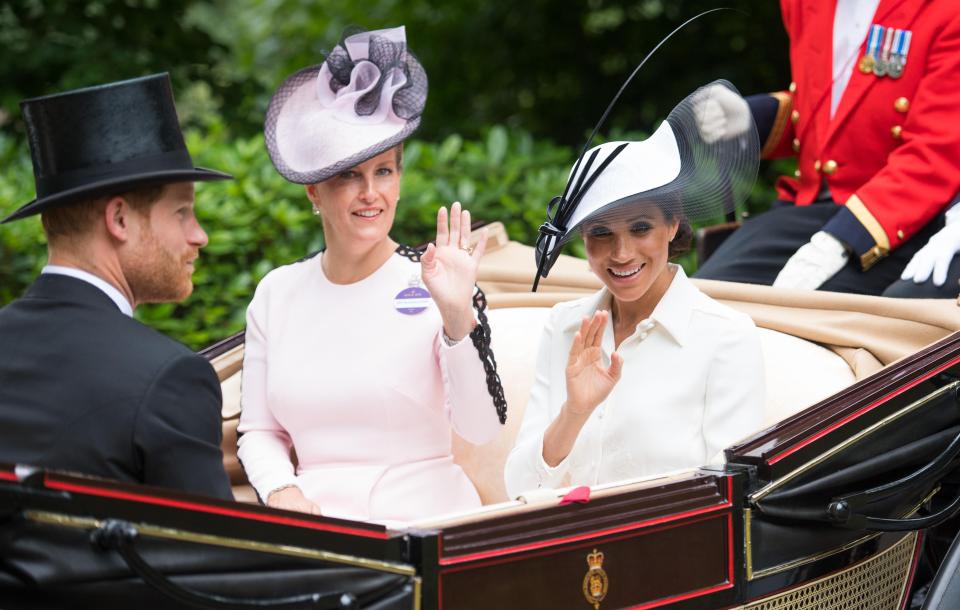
[{"x": 364, "y": 99}]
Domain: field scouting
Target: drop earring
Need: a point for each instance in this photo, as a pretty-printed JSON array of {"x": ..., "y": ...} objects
[{"x": 316, "y": 210}]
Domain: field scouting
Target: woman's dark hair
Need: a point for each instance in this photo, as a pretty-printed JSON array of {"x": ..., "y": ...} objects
[{"x": 680, "y": 244}]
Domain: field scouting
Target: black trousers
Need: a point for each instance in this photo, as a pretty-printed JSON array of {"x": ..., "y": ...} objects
[{"x": 759, "y": 249}]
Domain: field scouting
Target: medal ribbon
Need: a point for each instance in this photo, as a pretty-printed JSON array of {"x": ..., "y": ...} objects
[
  {"x": 873, "y": 44},
  {"x": 904, "y": 47},
  {"x": 887, "y": 43}
]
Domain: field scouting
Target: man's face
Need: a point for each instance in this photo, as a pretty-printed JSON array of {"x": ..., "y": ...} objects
[{"x": 165, "y": 244}]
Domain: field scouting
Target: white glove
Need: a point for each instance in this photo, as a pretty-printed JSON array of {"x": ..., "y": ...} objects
[
  {"x": 936, "y": 256},
  {"x": 813, "y": 264},
  {"x": 720, "y": 113}
]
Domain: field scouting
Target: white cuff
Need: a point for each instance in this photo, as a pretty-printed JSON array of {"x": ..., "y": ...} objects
[{"x": 550, "y": 476}]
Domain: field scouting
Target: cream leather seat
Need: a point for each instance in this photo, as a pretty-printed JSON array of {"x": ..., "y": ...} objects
[{"x": 516, "y": 335}]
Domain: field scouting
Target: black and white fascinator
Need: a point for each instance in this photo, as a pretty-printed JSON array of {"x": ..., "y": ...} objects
[
  {"x": 700, "y": 163},
  {"x": 365, "y": 98}
]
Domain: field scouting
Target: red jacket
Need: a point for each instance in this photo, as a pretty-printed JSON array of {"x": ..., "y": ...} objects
[{"x": 891, "y": 153}]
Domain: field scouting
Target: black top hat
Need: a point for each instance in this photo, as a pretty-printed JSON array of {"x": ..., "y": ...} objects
[{"x": 94, "y": 141}]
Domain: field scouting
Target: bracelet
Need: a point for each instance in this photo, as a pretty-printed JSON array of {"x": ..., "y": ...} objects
[
  {"x": 450, "y": 342},
  {"x": 281, "y": 488}
]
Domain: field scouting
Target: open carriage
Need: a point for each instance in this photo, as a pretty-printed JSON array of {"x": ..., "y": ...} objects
[{"x": 833, "y": 505}]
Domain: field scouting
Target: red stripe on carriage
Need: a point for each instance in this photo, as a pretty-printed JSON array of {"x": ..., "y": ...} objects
[
  {"x": 545, "y": 544},
  {"x": 8, "y": 475},
  {"x": 213, "y": 510},
  {"x": 730, "y": 575},
  {"x": 651, "y": 604},
  {"x": 683, "y": 597},
  {"x": 858, "y": 413}
]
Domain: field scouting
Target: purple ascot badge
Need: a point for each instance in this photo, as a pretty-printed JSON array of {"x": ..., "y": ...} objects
[{"x": 413, "y": 299}]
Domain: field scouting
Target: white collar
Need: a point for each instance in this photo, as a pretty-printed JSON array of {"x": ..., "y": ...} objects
[
  {"x": 106, "y": 287},
  {"x": 672, "y": 312}
]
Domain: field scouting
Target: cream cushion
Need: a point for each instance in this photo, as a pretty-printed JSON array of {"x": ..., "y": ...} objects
[{"x": 798, "y": 374}]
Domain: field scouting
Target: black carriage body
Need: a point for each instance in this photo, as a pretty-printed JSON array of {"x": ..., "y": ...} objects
[{"x": 790, "y": 522}]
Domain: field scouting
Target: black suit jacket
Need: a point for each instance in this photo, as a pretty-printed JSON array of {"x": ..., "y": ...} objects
[{"x": 85, "y": 388}]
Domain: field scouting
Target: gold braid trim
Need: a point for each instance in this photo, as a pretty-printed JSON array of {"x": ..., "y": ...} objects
[
  {"x": 873, "y": 226},
  {"x": 784, "y": 106}
]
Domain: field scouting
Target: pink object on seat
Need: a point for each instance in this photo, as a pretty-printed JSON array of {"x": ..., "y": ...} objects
[{"x": 577, "y": 494}]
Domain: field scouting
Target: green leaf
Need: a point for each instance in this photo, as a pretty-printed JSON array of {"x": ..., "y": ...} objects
[{"x": 497, "y": 141}]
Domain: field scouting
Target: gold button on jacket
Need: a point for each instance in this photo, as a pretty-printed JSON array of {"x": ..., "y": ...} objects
[
  {"x": 830, "y": 167},
  {"x": 902, "y": 104}
]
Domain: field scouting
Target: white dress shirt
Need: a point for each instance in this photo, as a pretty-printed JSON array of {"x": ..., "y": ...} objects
[
  {"x": 692, "y": 385},
  {"x": 851, "y": 21},
  {"x": 108, "y": 289}
]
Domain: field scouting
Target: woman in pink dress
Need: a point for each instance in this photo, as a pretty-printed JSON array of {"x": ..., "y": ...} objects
[{"x": 363, "y": 358}]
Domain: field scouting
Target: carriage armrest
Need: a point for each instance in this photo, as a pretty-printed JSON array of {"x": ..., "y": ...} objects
[{"x": 710, "y": 238}]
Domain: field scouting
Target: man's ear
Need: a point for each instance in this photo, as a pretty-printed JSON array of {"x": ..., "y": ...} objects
[{"x": 117, "y": 218}]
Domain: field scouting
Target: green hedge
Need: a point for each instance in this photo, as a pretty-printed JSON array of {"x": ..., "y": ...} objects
[{"x": 260, "y": 220}]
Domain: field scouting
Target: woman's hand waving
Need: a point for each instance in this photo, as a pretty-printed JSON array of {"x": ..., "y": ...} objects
[
  {"x": 588, "y": 381},
  {"x": 588, "y": 384},
  {"x": 449, "y": 271}
]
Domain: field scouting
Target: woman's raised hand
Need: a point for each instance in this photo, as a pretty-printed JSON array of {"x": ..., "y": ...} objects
[
  {"x": 588, "y": 381},
  {"x": 449, "y": 270}
]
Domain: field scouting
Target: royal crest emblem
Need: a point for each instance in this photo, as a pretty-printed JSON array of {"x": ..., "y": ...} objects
[{"x": 595, "y": 582}]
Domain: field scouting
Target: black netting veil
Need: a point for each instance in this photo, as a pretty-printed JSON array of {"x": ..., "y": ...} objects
[
  {"x": 714, "y": 176},
  {"x": 326, "y": 140},
  {"x": 700, "y": 163}
]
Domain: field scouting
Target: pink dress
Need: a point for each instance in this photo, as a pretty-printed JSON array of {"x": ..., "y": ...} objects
[{"x": 365, "y": 394}]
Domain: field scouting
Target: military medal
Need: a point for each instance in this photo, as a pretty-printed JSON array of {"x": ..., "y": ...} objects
[
  {"x": 413, "y": 299},
  {"x": 901, "y": 47},
  {"x": 882, "y": 67},
  {"x": 869, "y": 60},
  {"x": 894, "y": 66}
]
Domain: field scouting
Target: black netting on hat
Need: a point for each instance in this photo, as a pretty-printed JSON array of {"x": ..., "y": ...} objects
[
  {"x": 406, "y": 103},
  {"x": 340, "y": 65},
  {"x": 715, "y": 175},
  {"x": 386, "y": 55},
  {"x": 718, "y": 162},
  {"x": 409, "y": 100}
]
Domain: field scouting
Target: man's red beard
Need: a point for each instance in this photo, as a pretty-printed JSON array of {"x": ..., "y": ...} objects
[{"x": 158, "y": 276}]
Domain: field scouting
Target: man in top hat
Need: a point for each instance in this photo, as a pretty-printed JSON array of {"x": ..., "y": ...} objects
[
  {"x": 83, "y": 386},
  {"x": 873, "y": 116}
]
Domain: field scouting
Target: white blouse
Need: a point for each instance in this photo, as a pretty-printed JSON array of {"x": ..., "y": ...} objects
[{"x": 692, "y": 385}]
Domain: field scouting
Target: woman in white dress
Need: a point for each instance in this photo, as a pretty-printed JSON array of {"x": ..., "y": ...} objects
[{"x": 648, "y": 375}]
